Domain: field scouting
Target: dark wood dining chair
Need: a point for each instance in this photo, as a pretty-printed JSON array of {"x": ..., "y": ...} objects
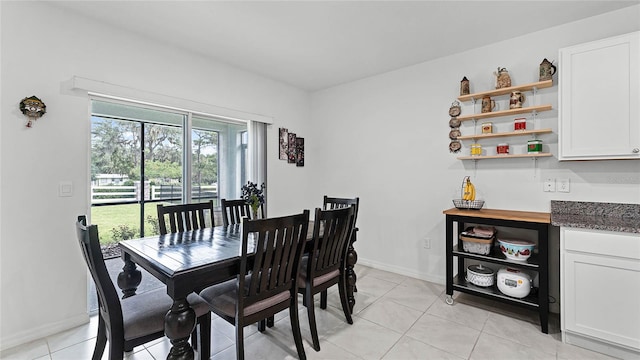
[
  {"x": 266, "y": 284},
  {"x": 325, "y": 264},
  {"x": 234, "y": 210},
  {"x": 185, "y": 217},
  {"x": 337, "y": 203},
  {"x": 138, "y": 319}
]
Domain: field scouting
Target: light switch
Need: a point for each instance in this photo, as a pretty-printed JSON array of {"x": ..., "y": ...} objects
[{"x": 65, "y": 189}]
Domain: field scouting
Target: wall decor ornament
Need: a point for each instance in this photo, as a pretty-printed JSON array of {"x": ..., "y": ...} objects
[
  {"x": 290, "y": 147},
  {"x": 503, "y": 80},
  {"x": 454, "y": 123},
  {"x": 283, "y": 145},
  {"x": 33, "y": 108},
  {"x": 464, "y": 86},
  {"x": 299, "y": 151},
  {"x": 547, "y": 69}
]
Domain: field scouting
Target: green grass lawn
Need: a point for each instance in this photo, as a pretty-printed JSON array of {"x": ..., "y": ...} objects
[
  {"x": 125, "y": 219},
  {"x": 116, "y": 216}
]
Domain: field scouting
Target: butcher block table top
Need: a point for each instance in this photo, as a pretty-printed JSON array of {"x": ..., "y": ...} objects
[{"x": 528, "y": 216}]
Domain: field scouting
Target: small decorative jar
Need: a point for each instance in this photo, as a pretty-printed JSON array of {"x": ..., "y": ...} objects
[
  {"x": 464, "y": 86},
  {"x": 503, "y": 80},
  {"x": 520, "y": 124},
  {"x": 487, "y": 128},
  {"x": 502, "y": 148},
  {"x": 476, "y": 149},
  {"x": 534, "y": 146}
]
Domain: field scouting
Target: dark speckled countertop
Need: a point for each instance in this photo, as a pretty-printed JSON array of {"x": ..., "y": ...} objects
[{"x": 596, "y": 215}]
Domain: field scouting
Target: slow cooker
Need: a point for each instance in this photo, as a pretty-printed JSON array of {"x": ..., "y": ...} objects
[
  {"x": 513, "y": 282},
  {"x": 480, "y": 275}
]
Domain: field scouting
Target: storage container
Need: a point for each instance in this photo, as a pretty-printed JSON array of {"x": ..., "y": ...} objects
[
  {"x": 534, "y": 146},
  {"x": 520, "y": 124},
  {"x": 502, "y": 148},
  {"x": 476, "y": 149},
  {"x": 476, "y": 245},
  {"x": 487, "y": 128}
]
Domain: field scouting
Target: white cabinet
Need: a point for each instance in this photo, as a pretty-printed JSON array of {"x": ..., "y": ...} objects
[
  {"x": 600, "y": 290},
  {"x": 599, "y": 99}
]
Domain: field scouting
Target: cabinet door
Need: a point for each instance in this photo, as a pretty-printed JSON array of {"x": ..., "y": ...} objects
[
  {"x": 600, "y": 285},
  {"x": 599, "y": 99},
  {"x": 602, "y": 297}
]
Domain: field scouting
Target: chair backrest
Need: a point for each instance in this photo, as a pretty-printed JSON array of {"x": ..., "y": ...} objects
[
  {"x": 275, "y": 246},
  {"x": 331, "y": 233},
  {"x": 336, "y": 203},
  {"x": 234, "y": 210},
  {"x": 185, "y": 217},
  {"x": 108, "y": 300}
]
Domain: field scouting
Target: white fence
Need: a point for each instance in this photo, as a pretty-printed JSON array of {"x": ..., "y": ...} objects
[{"x": 116, "y": 193}]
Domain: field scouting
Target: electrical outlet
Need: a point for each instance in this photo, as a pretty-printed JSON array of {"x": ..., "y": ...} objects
[
  {"x": 427, "y": 243},
  {"x": 549, "y": 185},
  {"x": 564, "y": 185}
]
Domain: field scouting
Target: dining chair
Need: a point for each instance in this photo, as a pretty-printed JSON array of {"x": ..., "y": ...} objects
[
  {"x": 325, "y": 265},
  {"x": 185, "y": 217},
  {"x": 266, "y": 283},
  {"x": 336, "y": 203},
  {"x": 234, "y": 210},
  {"x": 138, "y": 319}
]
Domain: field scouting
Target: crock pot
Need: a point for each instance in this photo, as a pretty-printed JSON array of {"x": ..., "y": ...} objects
[
  {"x": 513, "y": 282},
  {"x": 480, "y": 275}
]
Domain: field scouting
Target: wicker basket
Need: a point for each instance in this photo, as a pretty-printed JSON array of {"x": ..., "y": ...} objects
[{"x": 467, "y": 204}]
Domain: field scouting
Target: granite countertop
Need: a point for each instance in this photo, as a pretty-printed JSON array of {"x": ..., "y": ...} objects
[{"x": 596, "y": 215}]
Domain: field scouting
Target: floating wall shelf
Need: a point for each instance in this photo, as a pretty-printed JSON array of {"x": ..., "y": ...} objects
[
  {"x": 524, "y": 110},
  {"x": 511, "y": 133},
  {"x": 505, "y": 156},
  {"x": 507, "y": 90}
]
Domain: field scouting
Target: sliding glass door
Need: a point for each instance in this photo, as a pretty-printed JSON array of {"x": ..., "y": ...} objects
[{"x": 141, "y": 156}]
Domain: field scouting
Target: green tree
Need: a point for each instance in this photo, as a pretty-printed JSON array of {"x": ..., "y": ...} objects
[{"x": 205, "y": 157}]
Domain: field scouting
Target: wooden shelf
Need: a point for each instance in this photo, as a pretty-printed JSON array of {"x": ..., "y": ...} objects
[
  {"x": 506, "y": 156},
  {"x": 530, "y": 109},
  {"x": 511, "y": 133},
  {"x": 508, "y": 90}
]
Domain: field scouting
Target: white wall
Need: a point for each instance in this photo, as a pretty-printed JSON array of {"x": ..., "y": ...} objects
[
  {"x": 43, "y": 276},
  {"x": 389, "y": 145}
]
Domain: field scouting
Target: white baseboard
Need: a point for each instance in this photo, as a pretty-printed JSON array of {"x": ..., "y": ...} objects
[
  {"x": 39, "y": 332},
  {"x": 604, "y": 347},
  {"x": 402, "y": 271}
]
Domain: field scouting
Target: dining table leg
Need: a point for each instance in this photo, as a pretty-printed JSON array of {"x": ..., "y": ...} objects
[
  {"x": 352, "y": 258},
  {"x": 129, "y": 278},
  {"x": 179, "y": 323}
]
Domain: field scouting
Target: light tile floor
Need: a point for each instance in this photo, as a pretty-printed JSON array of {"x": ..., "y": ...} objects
[{"x": 396, "y": 317}]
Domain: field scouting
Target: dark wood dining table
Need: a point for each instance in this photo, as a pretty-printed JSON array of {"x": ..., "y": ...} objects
[{"x": 188, "y": 262}]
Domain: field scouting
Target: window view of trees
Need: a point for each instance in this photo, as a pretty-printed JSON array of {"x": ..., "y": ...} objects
[{"x": 116, "y": 167}]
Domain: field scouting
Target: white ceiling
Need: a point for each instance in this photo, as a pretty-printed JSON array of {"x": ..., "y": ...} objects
[{"x": 318, "y": 44}]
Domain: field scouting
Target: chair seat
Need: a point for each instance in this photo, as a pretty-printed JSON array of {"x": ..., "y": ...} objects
[
  {"x": 319, "y": 280},
  {"x": 141, "y": 311},
  {"x": 224, "y": 296}
]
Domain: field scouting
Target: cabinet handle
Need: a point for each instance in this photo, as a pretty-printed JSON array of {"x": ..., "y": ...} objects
[{"x": 636, "y": 150}]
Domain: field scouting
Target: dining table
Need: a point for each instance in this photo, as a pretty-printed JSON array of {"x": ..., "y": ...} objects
[{"x": 189, "y": 261}]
